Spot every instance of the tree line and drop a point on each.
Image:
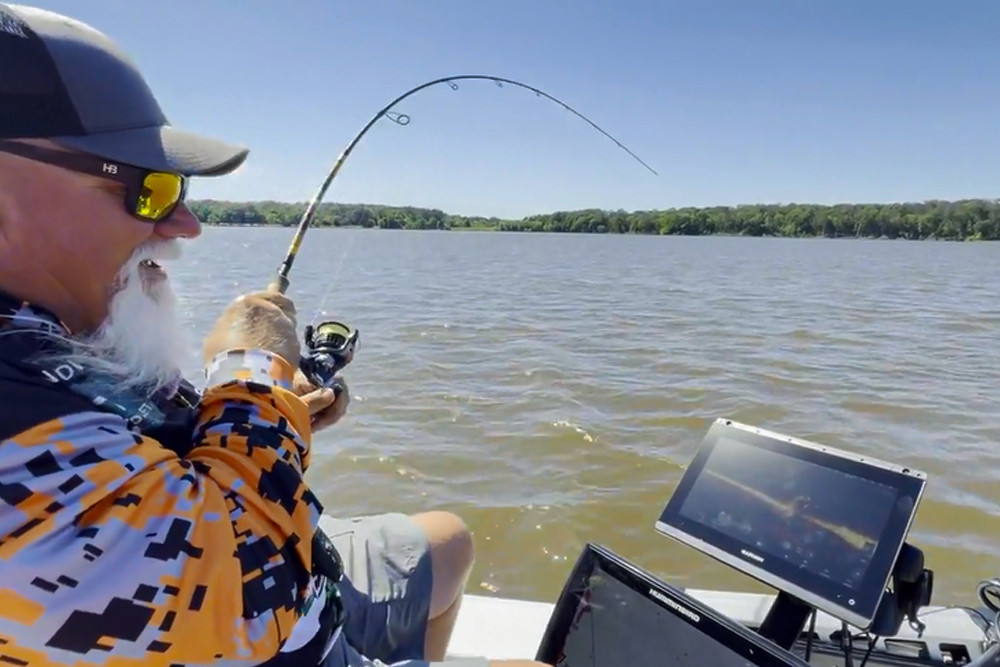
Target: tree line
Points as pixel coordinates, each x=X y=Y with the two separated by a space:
x=965 y=220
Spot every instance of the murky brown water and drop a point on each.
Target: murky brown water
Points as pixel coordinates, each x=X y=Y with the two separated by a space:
x=550 y=388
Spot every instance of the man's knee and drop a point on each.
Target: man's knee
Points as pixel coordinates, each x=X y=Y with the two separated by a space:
x=449 y=538
x=452 y=554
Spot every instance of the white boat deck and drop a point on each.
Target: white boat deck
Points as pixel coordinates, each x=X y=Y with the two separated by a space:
x=501 y=628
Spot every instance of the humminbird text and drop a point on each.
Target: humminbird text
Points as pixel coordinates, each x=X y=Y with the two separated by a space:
x=673 y=605
x=751 y=555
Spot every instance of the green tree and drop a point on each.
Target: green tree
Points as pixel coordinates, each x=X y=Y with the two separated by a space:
x=975 y=219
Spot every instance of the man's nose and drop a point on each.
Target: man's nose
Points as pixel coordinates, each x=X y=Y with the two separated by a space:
x=182 y=223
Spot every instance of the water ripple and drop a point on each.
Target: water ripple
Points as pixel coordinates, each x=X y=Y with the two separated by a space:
x=552 y=388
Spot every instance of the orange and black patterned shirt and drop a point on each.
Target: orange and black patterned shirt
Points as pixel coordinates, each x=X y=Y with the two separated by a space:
x=117 y=551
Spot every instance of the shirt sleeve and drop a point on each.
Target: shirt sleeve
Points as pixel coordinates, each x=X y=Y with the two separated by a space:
x=115 y=551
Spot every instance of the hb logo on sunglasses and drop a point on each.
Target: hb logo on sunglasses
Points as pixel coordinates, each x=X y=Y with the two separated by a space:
x=110 y=168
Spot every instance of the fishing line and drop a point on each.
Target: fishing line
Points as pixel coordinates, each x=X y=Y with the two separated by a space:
x=281 y=282
x=330 y=345
x=336 y=275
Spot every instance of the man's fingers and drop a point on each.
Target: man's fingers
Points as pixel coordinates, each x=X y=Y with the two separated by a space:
x=326 y=419
x=319 y=400
x=335 y=412
x=330 y=416
x=300 y=385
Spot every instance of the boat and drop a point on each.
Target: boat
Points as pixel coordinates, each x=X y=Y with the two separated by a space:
x=506 y=628
x=809 y=566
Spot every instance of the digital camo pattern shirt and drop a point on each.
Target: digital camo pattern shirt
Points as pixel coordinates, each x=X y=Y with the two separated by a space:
x=114 y=551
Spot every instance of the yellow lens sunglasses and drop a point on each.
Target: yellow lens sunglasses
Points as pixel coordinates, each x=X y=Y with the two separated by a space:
x=150 y=195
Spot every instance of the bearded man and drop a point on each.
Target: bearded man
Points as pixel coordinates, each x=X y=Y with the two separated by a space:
x=140 y=522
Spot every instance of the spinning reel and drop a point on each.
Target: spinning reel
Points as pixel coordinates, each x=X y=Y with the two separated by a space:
x=329 y=347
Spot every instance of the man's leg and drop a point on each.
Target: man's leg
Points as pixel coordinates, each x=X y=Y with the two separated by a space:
x=404 y=578
x=404 y=581
x=452 y=556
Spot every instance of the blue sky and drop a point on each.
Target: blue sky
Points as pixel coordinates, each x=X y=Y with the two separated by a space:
x=739 y=101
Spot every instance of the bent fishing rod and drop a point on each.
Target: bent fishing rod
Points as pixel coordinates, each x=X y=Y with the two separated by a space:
x=330 y=345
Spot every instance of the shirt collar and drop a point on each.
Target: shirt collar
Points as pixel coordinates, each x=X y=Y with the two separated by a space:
x=23 y=314
x=16 y=312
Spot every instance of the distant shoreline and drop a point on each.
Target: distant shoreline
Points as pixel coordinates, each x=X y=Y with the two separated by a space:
x=964 y=220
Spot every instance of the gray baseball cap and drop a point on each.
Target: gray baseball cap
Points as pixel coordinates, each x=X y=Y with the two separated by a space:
x=62 y=80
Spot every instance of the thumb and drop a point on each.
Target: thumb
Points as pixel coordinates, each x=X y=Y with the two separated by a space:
x=319 y=399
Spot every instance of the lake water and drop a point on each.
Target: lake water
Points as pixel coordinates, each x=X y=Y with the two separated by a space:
x=550 y=389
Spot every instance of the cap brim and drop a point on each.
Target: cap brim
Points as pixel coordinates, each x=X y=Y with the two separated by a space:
x=162 y=148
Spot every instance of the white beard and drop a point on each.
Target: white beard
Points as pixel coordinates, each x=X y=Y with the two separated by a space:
x=142 y=343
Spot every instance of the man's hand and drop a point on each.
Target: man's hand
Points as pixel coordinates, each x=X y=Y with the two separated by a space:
x=325 y=408
x=264 y=320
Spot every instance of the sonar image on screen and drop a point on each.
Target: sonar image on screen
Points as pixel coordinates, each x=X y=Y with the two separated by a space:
x=812 y=517
x=615 y=626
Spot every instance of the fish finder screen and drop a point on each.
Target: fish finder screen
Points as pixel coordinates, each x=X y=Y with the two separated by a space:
x=819 y=524
x=812 y=517
x=615 y=625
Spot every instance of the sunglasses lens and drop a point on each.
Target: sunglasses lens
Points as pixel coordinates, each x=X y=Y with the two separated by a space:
x=160 y=193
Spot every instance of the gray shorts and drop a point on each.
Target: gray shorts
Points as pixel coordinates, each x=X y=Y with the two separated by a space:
x=387 y=593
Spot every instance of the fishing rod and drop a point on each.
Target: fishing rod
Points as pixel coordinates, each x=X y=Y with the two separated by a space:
x=331 y=345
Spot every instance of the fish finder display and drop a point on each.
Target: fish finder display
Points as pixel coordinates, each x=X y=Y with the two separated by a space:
x=614 y=616
x=815 y=523
x=809 y=516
